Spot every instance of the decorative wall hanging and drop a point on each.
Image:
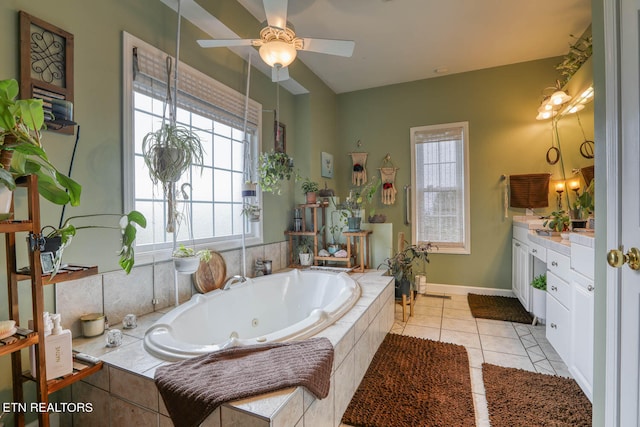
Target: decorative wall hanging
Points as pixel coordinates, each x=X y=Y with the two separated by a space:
x=46 y=70
x=326 y=167
x=359 y=174
x=388 y=177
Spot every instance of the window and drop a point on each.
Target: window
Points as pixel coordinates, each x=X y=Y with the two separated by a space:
x=209 y=195
x=440 y=177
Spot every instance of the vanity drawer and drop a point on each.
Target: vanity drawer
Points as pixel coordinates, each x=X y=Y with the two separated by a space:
x=559 y=289
x=559 y=264
x=538 y=251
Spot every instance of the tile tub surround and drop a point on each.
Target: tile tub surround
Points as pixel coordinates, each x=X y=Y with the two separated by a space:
x=126 y=384
x=117 y=294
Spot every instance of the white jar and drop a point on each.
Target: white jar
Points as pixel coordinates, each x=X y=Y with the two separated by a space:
x=92 y=324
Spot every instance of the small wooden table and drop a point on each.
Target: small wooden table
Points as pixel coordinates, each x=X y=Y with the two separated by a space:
x=364 y=251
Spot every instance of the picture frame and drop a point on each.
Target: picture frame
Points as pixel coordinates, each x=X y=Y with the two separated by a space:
x=326 y=165
x=47 y=262
x=46 y=70
x=279 y=137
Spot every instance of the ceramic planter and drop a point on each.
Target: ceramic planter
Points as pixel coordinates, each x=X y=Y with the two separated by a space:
x=403 y=287
x=305 y=259
x=312 y=197
x=333 y=248
x=353 y=223
x=186 y=265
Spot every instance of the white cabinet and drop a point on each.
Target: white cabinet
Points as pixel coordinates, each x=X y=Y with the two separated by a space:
x=520 y=272
x=582 y=334
x=582 y=317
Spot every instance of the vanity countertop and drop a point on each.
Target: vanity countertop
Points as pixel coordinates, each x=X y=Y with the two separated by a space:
x=556 y=243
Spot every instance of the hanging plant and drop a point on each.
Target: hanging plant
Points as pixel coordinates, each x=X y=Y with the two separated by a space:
x=578 y=54
x=274 y=167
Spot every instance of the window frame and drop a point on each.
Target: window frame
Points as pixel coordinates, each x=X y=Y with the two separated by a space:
x=158 y=250
x=443 y=247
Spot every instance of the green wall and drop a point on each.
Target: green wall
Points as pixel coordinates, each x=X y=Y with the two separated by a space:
x=500 y=105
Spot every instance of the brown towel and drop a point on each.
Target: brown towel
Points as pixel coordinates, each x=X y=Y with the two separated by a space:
x=192 y=389
x=530 y=190
x=587 y=173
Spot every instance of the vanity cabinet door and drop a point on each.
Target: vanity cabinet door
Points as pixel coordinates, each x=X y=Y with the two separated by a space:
x=520 y=272
x=582 y=336
x=558 y=328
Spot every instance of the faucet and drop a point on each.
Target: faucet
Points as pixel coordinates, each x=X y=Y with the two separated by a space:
x=235 y=279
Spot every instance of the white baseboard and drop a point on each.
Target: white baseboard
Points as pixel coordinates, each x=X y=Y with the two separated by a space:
x=439 y=288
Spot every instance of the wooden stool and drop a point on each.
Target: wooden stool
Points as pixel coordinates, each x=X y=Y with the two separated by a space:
x=364 y=250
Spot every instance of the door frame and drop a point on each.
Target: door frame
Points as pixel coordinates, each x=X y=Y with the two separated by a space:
x=609 y=183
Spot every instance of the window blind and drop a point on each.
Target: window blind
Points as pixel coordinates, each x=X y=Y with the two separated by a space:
x=197 y=92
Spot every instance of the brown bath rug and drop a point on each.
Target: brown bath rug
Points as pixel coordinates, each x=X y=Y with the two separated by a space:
x=528 y=399
x=414 y=382
x=498 y=308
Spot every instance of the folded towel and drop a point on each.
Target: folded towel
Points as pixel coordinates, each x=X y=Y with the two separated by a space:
x=530 y=190
x=192 y=389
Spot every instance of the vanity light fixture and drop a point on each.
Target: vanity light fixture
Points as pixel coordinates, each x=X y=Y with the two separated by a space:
x=560 y=190
x=553 y=101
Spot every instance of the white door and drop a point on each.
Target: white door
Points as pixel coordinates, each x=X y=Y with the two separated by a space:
x=622 y=162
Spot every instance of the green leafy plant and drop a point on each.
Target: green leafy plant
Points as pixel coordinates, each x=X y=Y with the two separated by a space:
x=584 y=203
x=578 y=54
x=184 y=252
x=412 y=258
x=251 y=211
x=558 y=221
x=127 y=226
x=309 y=186
x=274 y=167
x=304 y=246
x=540 y=282
x=361 y=198
x=168 y=152
x=20 y=124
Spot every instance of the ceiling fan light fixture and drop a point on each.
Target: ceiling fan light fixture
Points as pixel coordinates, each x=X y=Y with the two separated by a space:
x=278 y=52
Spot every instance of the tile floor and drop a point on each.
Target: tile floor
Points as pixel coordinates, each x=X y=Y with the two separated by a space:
x=506 y=344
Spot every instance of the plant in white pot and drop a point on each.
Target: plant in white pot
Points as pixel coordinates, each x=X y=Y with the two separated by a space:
x=539 y=285
x=304 y=252
x=251 y=211
x=187 y=260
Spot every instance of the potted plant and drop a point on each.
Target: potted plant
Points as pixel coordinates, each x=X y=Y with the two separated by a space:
x=539 y=285
x=251 y=211
x=58 y=239
x=335 y=229
x=558 y=221
x=358 y=200
x=21 y=151
x=187 y=260
x=168 y=152
x=310 y=190
x=403 y=264
x=304 y=252
x=274 y=167
x=583 y=207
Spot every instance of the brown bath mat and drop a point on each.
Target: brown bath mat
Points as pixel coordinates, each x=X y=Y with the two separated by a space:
x=498 y=308
x=414 y=382
x=529 y=399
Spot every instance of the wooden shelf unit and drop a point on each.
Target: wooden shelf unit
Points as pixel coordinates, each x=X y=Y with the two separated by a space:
x=314 y=209
x=36 y=337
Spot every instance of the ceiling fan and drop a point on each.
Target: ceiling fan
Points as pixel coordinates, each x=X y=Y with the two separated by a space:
x=279 y=44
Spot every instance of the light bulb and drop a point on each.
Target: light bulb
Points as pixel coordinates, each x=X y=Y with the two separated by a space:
x=277 y=52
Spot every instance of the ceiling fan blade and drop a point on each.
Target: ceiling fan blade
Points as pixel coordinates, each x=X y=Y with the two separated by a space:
x=279 y=74
x=331 y=47
x=276 y=11
x=225 y=42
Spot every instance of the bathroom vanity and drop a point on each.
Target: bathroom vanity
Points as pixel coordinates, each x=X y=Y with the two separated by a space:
x=568 y=264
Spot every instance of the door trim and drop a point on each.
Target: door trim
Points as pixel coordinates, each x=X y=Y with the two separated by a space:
x=611 y=204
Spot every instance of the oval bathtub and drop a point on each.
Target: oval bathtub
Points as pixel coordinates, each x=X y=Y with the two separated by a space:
x=278 y=307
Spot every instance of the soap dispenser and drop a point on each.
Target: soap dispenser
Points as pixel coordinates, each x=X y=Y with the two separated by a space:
x=58 y=349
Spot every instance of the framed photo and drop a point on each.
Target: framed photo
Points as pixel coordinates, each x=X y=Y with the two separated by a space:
x=46 y=260
x=280 y=137
x=326 y=168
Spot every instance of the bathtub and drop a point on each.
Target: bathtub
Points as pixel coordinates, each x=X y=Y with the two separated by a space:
x=278 y=307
